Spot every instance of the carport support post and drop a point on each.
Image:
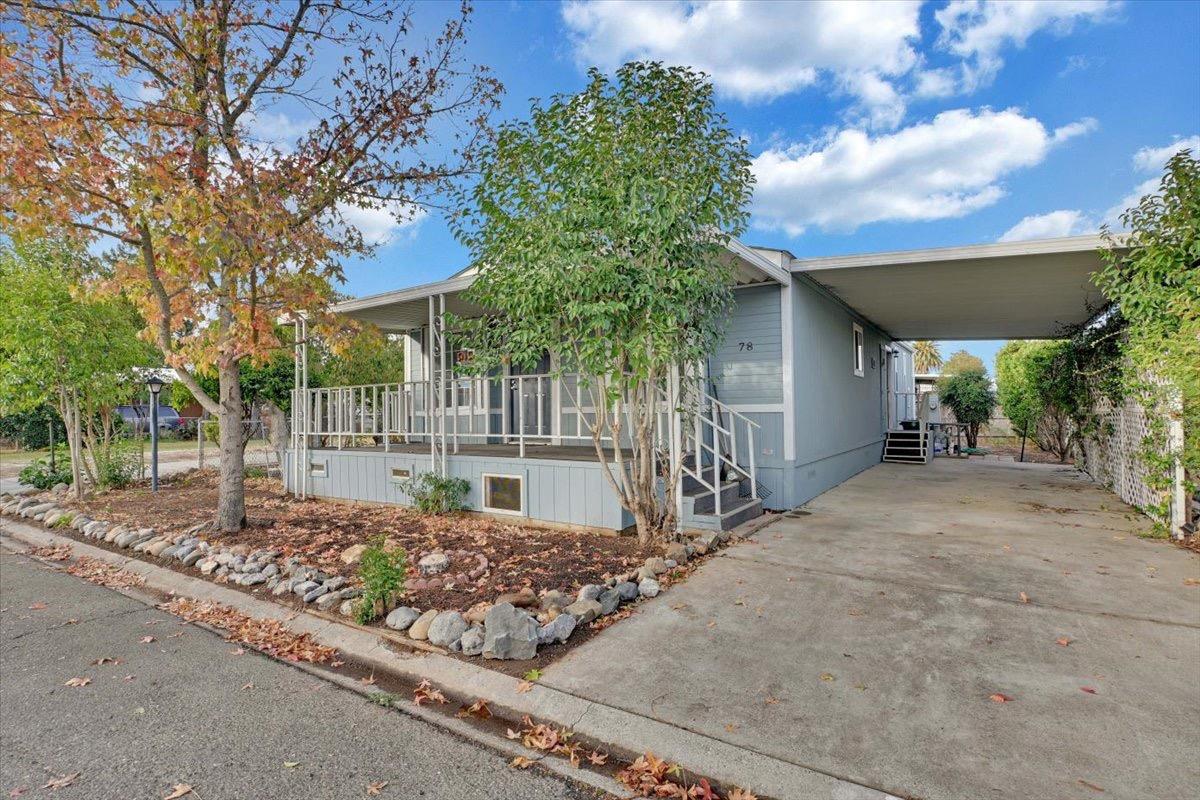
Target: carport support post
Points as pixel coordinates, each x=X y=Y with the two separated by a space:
x=1175 y=441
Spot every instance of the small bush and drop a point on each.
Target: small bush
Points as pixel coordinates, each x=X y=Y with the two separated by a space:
x=64 y=521
x=434 y=494
x=256 y=472
x=212 y=430
x=118 y=466
x=382 y=570
x=38 y=473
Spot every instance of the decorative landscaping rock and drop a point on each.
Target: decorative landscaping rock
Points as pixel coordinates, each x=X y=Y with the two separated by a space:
x=311 y=594
x=677 y=552
x=446 y=628
x=609 y=601
x=649 y=588
x=558 y=629
x=352 y=554
x=645 y=572
x=419 y=630
x=554 y=599
x=255 y=578
x=628 y=590
x=471 y=641
x=656 y=564
x=476 y=613
x=304 y=587
x=402 y=618
x=707 y=540
x=335 y=583
x=590 y=592
x=346 y=609
x=583 y=610
x=509 y=633
x=433 y=564
x=328 y=601
x=59 y=488
x=198 y=554
x=522 y=599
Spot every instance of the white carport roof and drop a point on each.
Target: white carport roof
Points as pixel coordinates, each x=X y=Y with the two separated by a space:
x=406 y=309
x=1011 y=290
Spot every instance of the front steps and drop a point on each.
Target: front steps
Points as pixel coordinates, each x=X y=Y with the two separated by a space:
x=699 y=506
x=906 y=447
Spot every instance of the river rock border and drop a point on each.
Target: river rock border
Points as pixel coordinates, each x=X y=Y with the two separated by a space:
x=512 y=627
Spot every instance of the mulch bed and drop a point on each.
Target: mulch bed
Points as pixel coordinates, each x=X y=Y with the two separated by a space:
x=318 y=531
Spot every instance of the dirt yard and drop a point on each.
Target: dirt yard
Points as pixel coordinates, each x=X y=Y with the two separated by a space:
x=319 y=531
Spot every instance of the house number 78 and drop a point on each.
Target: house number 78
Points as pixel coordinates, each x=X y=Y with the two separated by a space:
x=745 y=345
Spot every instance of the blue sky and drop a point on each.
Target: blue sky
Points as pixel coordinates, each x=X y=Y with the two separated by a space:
x=876 y=127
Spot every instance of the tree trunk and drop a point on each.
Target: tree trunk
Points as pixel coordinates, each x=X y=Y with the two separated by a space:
x=231 y=493
x=70 y=417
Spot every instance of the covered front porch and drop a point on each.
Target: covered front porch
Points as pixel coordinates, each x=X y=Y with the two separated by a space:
x=524 y=439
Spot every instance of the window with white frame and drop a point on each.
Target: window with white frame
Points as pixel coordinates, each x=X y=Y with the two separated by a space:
x=858 y=350
x=504 y=494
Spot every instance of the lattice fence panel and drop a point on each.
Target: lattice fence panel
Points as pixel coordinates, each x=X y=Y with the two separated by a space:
x=1111 y=454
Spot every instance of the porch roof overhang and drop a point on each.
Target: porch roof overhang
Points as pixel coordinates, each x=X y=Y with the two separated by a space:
x=1010 y=290
x=406 y=309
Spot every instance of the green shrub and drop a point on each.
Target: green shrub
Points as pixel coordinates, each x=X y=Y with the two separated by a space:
x=212 y=430
x=38 y=473
x=256 y=472
x=117 y=466
x=434 y=494
x=382 y=571
x=64 y=521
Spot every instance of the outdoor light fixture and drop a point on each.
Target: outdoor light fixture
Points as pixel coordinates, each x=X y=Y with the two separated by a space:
x=154 y=384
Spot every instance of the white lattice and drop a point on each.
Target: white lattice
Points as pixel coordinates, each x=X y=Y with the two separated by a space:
x=1111 y=454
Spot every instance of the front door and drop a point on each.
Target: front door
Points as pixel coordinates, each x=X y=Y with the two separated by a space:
x=529 y=401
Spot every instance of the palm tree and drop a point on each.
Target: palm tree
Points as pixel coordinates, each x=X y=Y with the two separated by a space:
x=927 y=355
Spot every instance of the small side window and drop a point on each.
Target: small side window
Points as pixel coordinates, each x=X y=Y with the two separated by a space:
x=317 y=469
x=858 y=350
x=400 y=474
x=504 y=494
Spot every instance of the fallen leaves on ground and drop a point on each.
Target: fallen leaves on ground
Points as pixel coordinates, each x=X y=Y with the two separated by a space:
x=532 y=675
x=1089 y=785
x=597 y=758
x=1063 y=641
x=997 y=697
x=1024 y=597
x=39 y=606
x=102 y=660
x=104 y=574
x=771 y=701
x=650 y=775
x=265 y=635
x=178 y=790
x=369 y=680
x=1088 y=689
x=426 y=692
x=147 y=640
x=521 y=762
x=1191 y=581
x=524 y=686
x=62 y=781
x=477 y=709
x=78 y=682
x=246 y=686
x=59 y=552
x=291 y=764
x=375 y=788
x=827 y=677
x=18 y=791
x=741 y=794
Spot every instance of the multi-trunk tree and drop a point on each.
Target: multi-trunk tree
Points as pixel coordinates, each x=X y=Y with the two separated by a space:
x=598 y=228
x=227 y=148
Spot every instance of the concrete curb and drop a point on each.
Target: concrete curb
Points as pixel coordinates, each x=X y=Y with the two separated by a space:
x=621 y=732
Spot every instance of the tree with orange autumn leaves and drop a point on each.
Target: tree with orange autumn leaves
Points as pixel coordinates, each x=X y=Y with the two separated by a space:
x=159 y=129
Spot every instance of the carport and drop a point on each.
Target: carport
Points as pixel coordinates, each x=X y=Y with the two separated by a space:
x=957 y=629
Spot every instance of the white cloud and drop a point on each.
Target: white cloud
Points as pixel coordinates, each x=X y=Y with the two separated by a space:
x=759 y=51
x=274 y=127
x=1047 y=226
x=979 y=31
x=381 y=226
x=947 y=167
x=1153 y=159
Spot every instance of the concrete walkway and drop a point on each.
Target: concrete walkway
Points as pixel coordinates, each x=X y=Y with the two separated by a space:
x=864 y=641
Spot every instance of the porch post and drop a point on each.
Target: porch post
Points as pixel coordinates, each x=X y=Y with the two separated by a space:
x=674 y=431
x=432 y=399
x=442 y=374
x=295 y=439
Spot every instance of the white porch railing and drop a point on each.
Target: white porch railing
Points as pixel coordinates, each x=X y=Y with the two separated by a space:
x=714 y=443
x=902 y=406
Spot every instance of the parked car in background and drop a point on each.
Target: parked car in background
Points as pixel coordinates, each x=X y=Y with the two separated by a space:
x=137 y=418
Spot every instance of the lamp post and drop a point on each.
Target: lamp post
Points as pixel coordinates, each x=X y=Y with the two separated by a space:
x=154 y=384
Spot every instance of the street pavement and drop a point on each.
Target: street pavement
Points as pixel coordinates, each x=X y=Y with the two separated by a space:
x=186 y=709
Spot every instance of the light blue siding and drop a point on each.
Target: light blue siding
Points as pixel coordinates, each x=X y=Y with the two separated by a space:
x=565 y=492
x=748 y=364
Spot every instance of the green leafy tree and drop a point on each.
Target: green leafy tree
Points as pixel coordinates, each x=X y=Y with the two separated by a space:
x=927 y=356
x=1043 y=392
x=367 y=356
x=62 y=345
x=1152 y=275
x=962 y=361
x=969 y=395
x=598 y=227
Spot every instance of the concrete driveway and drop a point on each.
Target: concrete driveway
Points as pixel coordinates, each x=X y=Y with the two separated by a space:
x=864 y=639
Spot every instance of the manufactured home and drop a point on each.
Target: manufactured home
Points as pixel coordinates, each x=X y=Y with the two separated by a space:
x=812 y=378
